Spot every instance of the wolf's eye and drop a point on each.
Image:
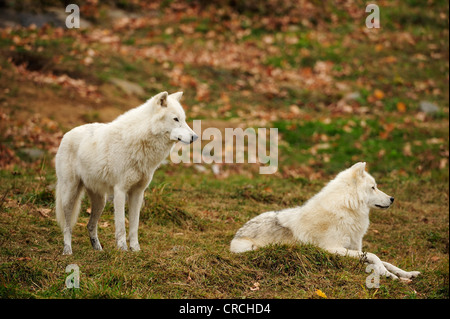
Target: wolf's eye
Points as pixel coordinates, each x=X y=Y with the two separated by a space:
x=176 y=119
x=373 y=187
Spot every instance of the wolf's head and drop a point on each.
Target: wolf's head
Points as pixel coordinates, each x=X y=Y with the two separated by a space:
x=366 y=188
x=169 y=117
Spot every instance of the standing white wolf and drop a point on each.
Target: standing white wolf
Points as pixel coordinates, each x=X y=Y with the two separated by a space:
x=335 y=219
x=118 y=157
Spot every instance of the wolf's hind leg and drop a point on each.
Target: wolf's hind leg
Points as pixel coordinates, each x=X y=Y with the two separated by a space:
x=97 y=205
x=71 y=201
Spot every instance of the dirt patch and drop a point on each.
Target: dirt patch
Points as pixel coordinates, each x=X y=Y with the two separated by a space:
x=67 y=106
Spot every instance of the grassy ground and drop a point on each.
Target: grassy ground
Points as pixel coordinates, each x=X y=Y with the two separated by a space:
x=337 y=92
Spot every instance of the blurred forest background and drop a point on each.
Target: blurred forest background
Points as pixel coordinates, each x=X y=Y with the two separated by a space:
x=337 y=91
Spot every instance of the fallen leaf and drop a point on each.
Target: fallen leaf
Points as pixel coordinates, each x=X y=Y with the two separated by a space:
x=435 y=258
x=401 y=107
x=44 y=212
x=255 y=286
x=405 y=280
x=388 y=128
x=443 y=163
x=378 y=94
x=435 y=140
x=407 y=150
x=104 y=225
x=381 y=153
x=389 y=59
x=320 y=293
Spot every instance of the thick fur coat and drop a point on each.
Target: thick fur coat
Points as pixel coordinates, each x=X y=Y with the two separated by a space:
x=336 y=219
x=116 y=158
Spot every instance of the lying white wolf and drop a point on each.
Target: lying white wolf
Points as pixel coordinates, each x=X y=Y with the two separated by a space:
x=118 y=157
x=335 y=219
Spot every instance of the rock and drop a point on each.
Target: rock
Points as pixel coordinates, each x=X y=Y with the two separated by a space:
x=178 y=248
x=116 y=14
x=200 y=168
x=33 y=153
x=128 y=87
x=61 y=15
x=13 y=18
x=216 y=169
x=352 y=96
x=428 y=107
x=55 y=16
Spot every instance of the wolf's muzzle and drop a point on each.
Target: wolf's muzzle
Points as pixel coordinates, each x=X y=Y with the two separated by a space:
x=194 y=138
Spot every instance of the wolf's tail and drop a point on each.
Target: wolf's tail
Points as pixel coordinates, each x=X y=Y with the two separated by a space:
x=240 y=245
x=63 y=195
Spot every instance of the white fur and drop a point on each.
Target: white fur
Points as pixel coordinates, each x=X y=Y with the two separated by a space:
x=118 y=157
x=335 y=219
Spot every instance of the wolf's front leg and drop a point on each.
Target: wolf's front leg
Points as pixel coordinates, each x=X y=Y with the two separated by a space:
x=378 y=266
x=119 y=218
x=135 y=199
x=401 y=273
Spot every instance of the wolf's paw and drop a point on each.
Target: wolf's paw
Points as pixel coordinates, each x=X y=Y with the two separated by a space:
x=135 y=247
x=382 y=271
x=406 y=275
x=122 y=246
x=99 y=247
x=67 y=250
x=388 y=274
x=96 y=244
x=411 y=274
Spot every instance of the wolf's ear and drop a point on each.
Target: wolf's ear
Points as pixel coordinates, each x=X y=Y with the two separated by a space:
x=177 y=96
x=359 y=168
x=161 y=99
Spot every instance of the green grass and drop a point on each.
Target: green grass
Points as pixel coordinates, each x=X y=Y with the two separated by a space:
x=188 y=257
x=189 y=218
x=380 y=142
